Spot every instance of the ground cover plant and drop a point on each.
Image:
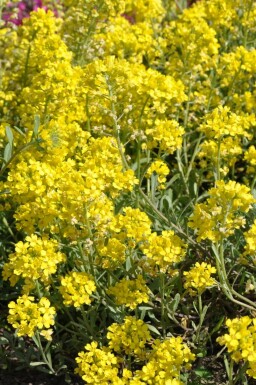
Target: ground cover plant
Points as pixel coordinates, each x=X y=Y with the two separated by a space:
x=128 y=217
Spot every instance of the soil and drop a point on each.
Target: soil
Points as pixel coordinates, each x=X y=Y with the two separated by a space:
x=28 y=377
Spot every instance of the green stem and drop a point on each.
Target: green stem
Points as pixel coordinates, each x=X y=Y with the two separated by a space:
x=180 y=167
x=218 y=161
x=166 y=220
x=116 y=128
x=230 y=372
x=162 y=287
x=40 y=347
x=224 y=281
x=88 y=123
x=191 y=163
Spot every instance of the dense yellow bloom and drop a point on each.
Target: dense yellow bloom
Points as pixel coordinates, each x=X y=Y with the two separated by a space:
x=198 y=278
x=164 y=250
x=191 y=45
x=161 y=169
x=130 y=337
x=225 y=132
x=222 y=122
x=218 y=217
x=133 y=225
x=124 y=96
x=76 y=288
x=240 y=62
x=34 y=260
x=226 y=152
x=98 y=366
x=126 y=41
x=28 y=316
x=165 y=134
x=101 y=161
x=130 y=292
x=144 y=9
x=166 y=361
x=241 y=341
x=48 y=186
x=111 y=254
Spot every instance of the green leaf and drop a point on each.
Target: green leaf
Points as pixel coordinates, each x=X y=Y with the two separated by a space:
x=154 y=329
x=7 y=153
x=37 y=363
x=203 y=373
x=3 y=341
x=9 y=135
x=36 y=125
x=19 y=130
x=175 y=303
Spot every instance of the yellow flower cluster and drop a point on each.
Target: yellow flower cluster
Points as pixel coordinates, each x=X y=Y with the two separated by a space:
x=28 y=316
x=130 y=337
x=112 y=254
x=91 y=16
x=198 y=278
x=164 y=134
x=133 y=225
x=220 y=215
x=34 y=260
x=130 y=293
x=98 y=366
x=222 y=122
x=164 y=251
x=225 y=132
x=76 y=288
x=166 y=361
x=44 y=186
x=191 y=45
x=124 y=40
x=241 y=341
x=236 y=70
x=143 y=10
x=161 y=169
x=115 y=86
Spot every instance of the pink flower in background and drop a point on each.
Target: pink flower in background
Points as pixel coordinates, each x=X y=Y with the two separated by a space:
x=15 y=13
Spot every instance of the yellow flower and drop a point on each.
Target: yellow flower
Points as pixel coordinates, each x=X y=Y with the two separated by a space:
x=164 y=251
x=76 y=289
x=129 y=337
x=34 y=260
x=98 y=366
x=130 y=293
x=221 y=214
x=198 y=278
x=161 y=169
x=28 y=316
x=241 y=341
